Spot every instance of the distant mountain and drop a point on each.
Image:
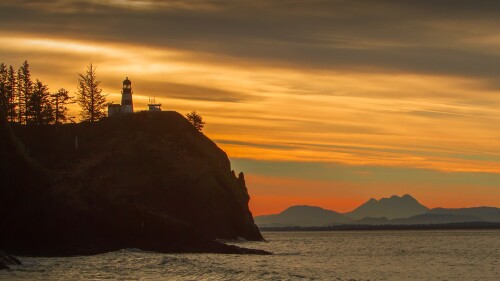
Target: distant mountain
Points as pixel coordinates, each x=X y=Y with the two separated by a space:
x=490 y=214
x=395 y=210
x=440 y=216
x=435 y=219
x=301 y=216
x=391 y=208
x=371 y=221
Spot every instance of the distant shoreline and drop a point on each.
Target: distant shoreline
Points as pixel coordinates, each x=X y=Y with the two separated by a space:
x=346 y=227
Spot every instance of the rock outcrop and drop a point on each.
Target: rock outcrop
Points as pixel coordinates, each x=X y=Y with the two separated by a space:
x=6 y=260
x=148 y=180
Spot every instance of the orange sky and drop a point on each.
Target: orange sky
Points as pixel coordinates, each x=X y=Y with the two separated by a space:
x=393 y=86
x=270 y=195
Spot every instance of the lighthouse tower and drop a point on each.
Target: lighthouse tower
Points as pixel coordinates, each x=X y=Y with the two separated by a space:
x=127 y=105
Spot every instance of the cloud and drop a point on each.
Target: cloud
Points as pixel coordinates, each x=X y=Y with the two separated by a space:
x=364 y=175
x=390 y=36
x=194 y=92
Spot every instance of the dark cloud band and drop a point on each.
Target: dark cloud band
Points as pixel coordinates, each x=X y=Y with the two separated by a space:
x=393 y=36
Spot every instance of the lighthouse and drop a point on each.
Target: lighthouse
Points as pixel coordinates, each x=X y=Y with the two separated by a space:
x=127 y=105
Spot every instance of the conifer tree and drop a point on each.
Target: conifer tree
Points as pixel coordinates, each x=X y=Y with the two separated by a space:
x=25 y=88
x=60 y=100
x=11 y=94
x=90 y=97
x=39 y=109
x=3 y=92
x=195 y=119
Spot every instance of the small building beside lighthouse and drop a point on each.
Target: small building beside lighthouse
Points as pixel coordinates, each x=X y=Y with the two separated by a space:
x=127 y=105
x=153 y=106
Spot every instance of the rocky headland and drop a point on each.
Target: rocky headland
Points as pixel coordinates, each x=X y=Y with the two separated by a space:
x=147 y=180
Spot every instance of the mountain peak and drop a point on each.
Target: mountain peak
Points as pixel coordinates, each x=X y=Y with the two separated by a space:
x=301 y=215
x=408 y=197
x=391 y=208
x=303 y=207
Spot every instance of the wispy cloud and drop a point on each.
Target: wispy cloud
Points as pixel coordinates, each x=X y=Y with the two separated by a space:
x=361 y=35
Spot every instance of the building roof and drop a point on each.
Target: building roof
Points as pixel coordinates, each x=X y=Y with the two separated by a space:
x=127 y=82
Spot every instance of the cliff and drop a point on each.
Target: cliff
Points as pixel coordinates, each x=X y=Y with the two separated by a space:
x=148 y=180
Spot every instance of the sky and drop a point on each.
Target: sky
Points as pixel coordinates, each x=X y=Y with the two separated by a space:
x=318 y=102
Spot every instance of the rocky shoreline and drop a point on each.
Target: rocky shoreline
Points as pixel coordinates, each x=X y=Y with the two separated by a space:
x=6 y=260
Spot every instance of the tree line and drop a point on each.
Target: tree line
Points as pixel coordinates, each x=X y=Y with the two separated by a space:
x=29 y=102
x=25 y=101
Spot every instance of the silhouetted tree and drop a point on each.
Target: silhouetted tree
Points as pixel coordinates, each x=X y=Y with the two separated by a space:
x=195 y=119
x=3 y=91
x=39 y=108
x=24 y=89
x=11 y=95
x=90 y=97
x=60 y=100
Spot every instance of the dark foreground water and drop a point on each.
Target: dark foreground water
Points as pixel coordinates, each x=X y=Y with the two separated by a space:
x=362 y=255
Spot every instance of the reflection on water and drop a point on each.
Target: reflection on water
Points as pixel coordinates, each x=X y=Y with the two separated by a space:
x=363 y=255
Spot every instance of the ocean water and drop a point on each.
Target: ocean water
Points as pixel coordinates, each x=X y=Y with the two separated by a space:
x=357 y=255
